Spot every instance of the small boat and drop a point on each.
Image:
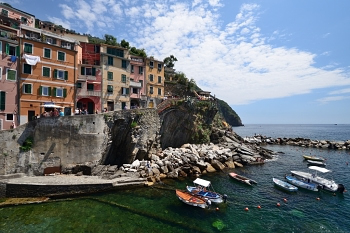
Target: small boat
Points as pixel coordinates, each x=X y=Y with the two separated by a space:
x=242 y=179
x=314 y=158
x=204 y=189
x=316 y=163
x=191 y=199
x=302 y=184
x=284 y=185
x=325 y=184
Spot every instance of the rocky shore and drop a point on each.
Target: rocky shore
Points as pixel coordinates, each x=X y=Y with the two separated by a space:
x=302 y=142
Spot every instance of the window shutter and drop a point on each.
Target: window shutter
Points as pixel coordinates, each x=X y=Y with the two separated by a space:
x=54 y=92
x=55 y=73
x=49 y=90
x=54 y=41
x=40 y=90
x=93 y=71
x=17 y=52
x=127 y=91
x=82 y=70
x=2 y=100
x=66 y=75
x=64 y=92
x=29 y=88
x=7 y=49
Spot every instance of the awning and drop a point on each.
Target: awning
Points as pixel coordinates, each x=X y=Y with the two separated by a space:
x=51 y=106
x=201 y=182
x=320 y=169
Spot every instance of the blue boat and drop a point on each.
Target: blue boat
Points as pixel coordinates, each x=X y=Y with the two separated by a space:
x=202 y=189
x=302 y=183
x=284 y=185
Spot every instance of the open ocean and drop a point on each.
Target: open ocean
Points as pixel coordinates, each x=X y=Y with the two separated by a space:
x=157 y=209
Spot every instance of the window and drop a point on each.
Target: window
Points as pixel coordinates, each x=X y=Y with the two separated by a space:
x=61 y=56
x=50 y=40
x=0 y=47
x=125 y=91
x=151 y=90
x=141 y=81
x=88 y=71
x=151 y=64
x=66 y=45
x=115 y=52
x=0 y=73
x=159 y=79
x=27 y=88
x=27 y=69
x=90 y=86
x=159 y=67
x=47 y=53
x=46 y=71
x=45 y=91
x=28 y=48
x=110 y=61
x=59 y=92
x=140 y=70
x=9 y=117
x=135 y=91
x=109 y=76
x=109 y=89
x=132 y=68
x=11 y=75
x=159 y=91
x=79 y=85
x=123 y=78
x=124 y=64
x=12 y=50
x=61 y=74
x=24 y=20
x=2 y=100
x=4 y=12
x=151 y=77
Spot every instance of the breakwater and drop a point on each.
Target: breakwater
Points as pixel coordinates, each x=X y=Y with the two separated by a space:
x=302 y=142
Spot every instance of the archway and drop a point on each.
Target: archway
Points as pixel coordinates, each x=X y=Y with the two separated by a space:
x=86 y=103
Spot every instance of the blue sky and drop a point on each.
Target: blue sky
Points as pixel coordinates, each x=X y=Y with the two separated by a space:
x=272 y=61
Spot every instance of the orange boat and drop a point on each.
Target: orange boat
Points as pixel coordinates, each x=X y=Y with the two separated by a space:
x=191 y=199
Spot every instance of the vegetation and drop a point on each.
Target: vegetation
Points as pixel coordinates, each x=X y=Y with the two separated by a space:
x=170 y=61
x=27 y=144
x=133 y=124
x=229 y=114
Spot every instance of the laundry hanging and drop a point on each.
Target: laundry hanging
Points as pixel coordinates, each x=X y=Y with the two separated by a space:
x=31 y=60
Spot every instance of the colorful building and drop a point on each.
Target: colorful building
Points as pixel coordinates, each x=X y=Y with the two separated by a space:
x=154 y=82
x=47 y=73
x=115 y=77
x=138 y=96
x=10 y=21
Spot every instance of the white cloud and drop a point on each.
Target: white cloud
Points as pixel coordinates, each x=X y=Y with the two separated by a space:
x=341 y=91
x=332 y=99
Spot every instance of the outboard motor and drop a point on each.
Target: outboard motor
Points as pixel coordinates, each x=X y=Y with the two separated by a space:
x=224 y=198
x=341 y=188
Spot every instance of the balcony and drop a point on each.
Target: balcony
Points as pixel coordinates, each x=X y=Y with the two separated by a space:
x=87 y=93
x=8 y=35
x=86 y=78
x=135 y=84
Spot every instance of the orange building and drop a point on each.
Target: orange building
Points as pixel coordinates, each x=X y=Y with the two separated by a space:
x=154 y=82
x=47 y=73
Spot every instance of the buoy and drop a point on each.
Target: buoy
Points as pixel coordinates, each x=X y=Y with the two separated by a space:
x=278 y=204
x=259 y=207
x=317 y=198
x=285 y=199
x=217 y=208
x=334 y=194
x=246 y=209
x=345 y=190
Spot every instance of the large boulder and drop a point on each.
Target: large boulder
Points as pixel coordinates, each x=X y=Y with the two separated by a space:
x=217 y=165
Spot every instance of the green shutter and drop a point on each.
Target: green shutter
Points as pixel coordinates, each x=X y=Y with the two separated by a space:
x=55 y=73
x=127 y=91
x=66 y=75
x=49 y=91
x=64 y=93
x=40 y=90
x=54 y=41
x=17 y=52
x=93 y=71
x=54 y=92
x=7 y=49
x=82 y=70
x=2 y=100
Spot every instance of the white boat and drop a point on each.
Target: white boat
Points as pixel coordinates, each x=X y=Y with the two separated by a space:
x=325 y=184
x=316 y=163
x=302 y=184
x=204 y=189
x=284 y=185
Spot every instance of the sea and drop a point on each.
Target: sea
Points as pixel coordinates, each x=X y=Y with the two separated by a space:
x=157 y=209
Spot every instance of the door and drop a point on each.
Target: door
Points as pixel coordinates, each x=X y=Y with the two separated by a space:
x=110 y=106
x=90 y=107
x=31 y=115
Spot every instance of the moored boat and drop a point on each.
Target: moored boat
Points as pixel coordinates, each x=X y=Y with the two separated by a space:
x=284 y=185
x=302 y=184
x=242 y=179
x=314 y=158
x=325 y=184
x=204 y=189
x=316 y=163
x=191 y=199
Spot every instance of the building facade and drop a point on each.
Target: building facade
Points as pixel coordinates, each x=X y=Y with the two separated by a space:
x=138 y=98
x=154 y=82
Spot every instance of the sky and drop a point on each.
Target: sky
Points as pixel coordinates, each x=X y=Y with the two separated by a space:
x=272 y=61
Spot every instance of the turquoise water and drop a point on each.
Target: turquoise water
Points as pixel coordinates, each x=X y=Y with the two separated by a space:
x=156 y=209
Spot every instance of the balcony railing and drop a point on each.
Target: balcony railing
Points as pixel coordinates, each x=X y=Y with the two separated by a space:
x=8 y=35
x=86 y=78
x=86 y=93
x=135 y=84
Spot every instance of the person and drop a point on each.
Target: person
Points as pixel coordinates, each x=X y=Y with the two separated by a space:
x=96 y=112
x=61 y=113
x=12 y=125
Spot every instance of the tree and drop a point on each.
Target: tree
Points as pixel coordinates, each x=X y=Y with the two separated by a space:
x=138 y=52
x=110 y=40
x=170 y=61
x=125 y=44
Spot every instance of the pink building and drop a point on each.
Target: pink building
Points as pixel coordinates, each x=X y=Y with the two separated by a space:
x=137 y=82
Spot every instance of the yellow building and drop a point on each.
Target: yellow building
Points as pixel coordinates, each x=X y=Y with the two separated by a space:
x=115 y=77
x=154 y=81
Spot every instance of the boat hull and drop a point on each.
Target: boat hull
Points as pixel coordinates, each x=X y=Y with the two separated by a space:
x=302 y=184
x=191 y=199
x=308 y=157
x=315 y=163
x=284 y=185
x=242 y=179
x=212 y=196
